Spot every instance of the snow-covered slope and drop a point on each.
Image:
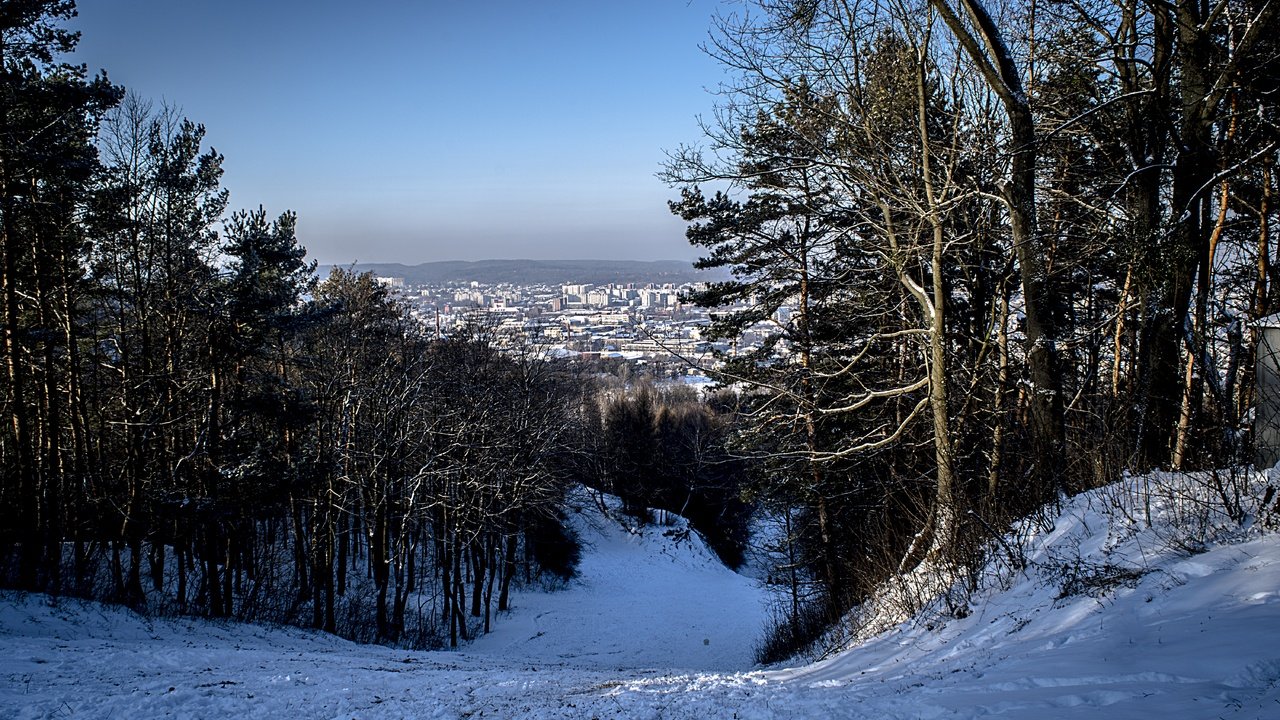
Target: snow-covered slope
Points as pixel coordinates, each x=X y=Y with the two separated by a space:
x=1112 y=618
x=645 y=597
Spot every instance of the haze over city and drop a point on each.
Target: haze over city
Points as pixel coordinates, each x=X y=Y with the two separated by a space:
x=413 y=132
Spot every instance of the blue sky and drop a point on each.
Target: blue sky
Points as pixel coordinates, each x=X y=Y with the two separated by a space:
x=418 y=131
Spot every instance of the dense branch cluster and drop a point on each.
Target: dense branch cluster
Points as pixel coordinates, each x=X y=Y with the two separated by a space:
x=1008 y=250
x=193 y=424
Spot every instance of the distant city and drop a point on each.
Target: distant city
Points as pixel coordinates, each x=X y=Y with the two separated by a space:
x=645 y=324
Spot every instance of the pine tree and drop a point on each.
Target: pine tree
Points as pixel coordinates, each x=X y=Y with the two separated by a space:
x=49 y=110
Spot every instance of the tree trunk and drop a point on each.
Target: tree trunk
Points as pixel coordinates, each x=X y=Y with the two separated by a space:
x=23 y=470
x=509 y=572
x=1041 y=300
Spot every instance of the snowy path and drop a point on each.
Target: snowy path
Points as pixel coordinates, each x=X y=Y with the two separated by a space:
x=1194 y=637
x=649 y=598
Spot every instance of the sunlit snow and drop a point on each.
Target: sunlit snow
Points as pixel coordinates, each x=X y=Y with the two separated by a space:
x=655 y=628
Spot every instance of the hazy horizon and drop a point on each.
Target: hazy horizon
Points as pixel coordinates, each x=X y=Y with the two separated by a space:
x=514 y=259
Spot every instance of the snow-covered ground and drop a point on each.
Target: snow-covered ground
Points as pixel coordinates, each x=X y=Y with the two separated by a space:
x=651 y=597
x=1111 y=618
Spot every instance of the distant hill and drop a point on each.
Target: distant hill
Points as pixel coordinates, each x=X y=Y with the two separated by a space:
x=541 y=272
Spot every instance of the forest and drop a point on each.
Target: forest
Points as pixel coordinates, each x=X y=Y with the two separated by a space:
x=1010 y=251
x=1021 y=249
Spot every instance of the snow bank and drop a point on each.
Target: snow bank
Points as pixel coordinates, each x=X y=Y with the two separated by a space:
x=1169 y=618
x=1111 y=617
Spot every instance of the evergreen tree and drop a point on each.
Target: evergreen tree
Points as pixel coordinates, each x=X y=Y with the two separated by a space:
x=49 y=111
x=152 y=218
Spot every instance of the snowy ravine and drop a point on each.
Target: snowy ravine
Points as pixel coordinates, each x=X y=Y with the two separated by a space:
x=1107 y=621
x=650 y=597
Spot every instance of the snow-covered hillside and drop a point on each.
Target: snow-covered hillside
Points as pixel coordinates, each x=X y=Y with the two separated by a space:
x=1111 y=618
x=650 y=597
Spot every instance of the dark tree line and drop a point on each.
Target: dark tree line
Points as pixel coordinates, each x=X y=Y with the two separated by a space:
x=665 y=449
x=194 y=423
x=1010 y=250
